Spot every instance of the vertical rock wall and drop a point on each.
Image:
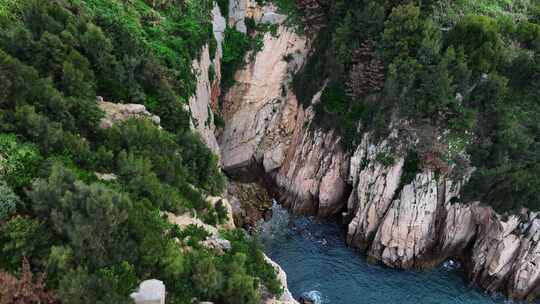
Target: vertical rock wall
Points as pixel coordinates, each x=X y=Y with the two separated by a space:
x=422 y=223
x=204 y=102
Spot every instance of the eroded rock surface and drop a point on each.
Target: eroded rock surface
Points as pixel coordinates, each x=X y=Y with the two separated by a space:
x=423 y=222
x=312 y=175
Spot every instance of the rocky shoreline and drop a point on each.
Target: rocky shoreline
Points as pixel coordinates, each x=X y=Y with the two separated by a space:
x=418 y=224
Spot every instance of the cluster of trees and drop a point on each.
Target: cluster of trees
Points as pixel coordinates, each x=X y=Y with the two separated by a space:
x=96 y=240
x=473 y=74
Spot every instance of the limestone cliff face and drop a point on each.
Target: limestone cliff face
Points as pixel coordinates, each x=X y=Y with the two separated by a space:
x=268 y=132
x=374 y=186
x=239 y=10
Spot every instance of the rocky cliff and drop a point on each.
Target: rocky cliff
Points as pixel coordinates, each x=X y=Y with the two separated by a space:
x=406 y=224
x=203 y=104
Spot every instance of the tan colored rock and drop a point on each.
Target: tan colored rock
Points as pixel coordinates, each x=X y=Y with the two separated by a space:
x=267 y=130
x=185 y=220
x=374 y=186
x=525 y=273
x=239 y=10
x=459 y=228
x=117 y=112
x=494 y=252
x=311 y=179
x=254 y=108
x=286 y=297
x=406 y=232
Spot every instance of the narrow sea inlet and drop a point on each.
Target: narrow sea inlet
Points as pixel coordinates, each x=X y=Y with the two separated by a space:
x=319 y=264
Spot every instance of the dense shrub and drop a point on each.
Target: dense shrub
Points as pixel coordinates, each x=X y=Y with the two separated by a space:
x=18 y=162
x=97 y=239
x=23 y=237
x=8 y=201
x=479 y=37
x=235 y=47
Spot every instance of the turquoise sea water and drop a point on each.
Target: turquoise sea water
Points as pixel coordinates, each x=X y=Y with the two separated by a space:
x=317 y=261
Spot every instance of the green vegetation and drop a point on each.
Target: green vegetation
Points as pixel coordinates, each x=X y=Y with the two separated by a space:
x=450 y=12
x=8 y=201
x=235 y=47
x=224 y=8
x=469 y=68
x=96 y=240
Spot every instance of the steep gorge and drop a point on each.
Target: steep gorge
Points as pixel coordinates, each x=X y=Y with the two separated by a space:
x=269 y=137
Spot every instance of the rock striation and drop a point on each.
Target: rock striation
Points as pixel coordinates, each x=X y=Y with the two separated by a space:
x=259 y=108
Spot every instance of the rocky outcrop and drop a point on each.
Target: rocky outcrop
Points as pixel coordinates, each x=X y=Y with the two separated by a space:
x=118 y=112
x=268 y=133
x=422 y=223
x=374 y=186
x=150 y=292
x=239 y=10
x=506 y=254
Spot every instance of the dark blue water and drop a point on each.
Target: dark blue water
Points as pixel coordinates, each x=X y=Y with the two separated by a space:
x=315 y=257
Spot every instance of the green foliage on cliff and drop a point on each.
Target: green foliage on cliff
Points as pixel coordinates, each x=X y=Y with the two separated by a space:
x=466 y=67
x=235 y=47
x=96 y=240
x=450 y=12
